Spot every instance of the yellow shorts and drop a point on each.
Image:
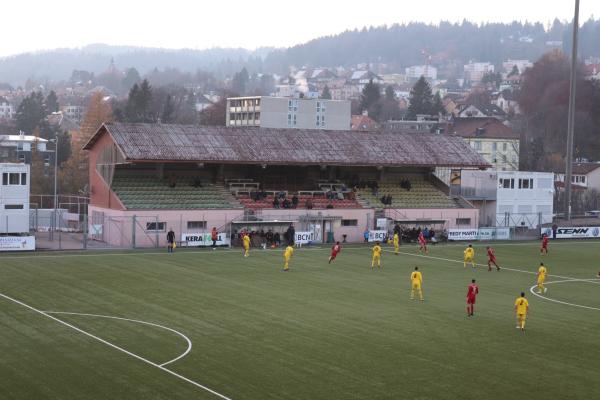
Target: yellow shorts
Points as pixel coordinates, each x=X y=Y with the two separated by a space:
x=416 y=285
x=468 y=259
x=375 y=258
x=541 y=279
x=521 y=316
x=246 y=247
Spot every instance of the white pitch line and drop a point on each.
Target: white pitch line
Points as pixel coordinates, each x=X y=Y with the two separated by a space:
x=481 y=265
x=531 y=289
x=114 y=346
x=131 y=252
x=185 y=353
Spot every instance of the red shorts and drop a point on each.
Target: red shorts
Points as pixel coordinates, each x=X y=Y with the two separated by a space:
x=545 y=246
x=471 y=299
x=492 y=259
x=334 y=255
x=423 y=244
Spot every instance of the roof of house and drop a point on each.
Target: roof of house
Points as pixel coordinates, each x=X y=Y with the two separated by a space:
x=585 y=168
x=363 y=74
x=487 y=127
x=487 y=109
x=254 y=145
x=363 y=123
x=22 y=138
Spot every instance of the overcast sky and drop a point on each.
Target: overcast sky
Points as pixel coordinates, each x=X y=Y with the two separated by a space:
x=30 y=25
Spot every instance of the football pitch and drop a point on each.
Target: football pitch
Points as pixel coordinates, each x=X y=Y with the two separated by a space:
x=202 y=324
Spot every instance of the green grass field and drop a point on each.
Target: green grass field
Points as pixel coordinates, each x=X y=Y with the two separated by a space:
x=320 y=331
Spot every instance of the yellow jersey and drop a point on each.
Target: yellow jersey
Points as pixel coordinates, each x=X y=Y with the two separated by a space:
x=246 y=241
x=376 y=251
x=289 y=251
x=469 y=252
x=521 y=305
x=396 y=238
x=542 y=272
x=416 y=277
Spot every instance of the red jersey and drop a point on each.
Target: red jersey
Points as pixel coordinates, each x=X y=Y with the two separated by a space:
x=472 y=292
x=421 y=238
x=491 y=254
x=336 y=249
x=545 y=241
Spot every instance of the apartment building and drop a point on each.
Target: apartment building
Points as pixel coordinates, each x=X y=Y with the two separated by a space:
x=279 y=112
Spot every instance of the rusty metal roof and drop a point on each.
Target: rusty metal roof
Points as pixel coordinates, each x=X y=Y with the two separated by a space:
x=252 y=145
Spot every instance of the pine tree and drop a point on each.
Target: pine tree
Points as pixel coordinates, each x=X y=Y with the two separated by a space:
x=369 y=99
x=389 y=93
x=132 y=77
x=326 y=94
x=31 y=112
x=51 y=103
x=138 y=103
x=514 y=71
x=168 y=110
x=239 y=82
x=438 y=106
x=421 y=99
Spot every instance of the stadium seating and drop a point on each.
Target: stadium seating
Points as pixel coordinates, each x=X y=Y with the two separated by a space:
x=241 y=189
x=423 y=194
x=146 y=191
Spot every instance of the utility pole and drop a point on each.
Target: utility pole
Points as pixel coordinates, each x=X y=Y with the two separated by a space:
x=571 y=121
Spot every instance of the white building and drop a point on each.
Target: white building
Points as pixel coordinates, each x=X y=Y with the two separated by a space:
x=522 y=65
x=510 y=198
x=417 y=71
x=74 y=112
x=278 y=112
x=474 y=71
x=19 y=147
x=14 y=198
x=7 y=111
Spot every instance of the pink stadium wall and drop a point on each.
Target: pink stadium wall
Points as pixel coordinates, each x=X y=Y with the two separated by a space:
x=450 y=215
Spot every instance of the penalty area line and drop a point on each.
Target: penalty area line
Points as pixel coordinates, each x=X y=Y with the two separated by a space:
x=531 y=289
x=114 y=346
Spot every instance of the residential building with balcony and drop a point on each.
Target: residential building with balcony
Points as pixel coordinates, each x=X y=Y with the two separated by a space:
x=279 y=112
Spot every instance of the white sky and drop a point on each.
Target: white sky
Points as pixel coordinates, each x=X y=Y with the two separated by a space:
x=44 y=24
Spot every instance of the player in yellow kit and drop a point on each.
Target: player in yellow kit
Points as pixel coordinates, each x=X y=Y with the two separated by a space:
x=541 y=278
x=521 y=308
x=396 y=243
x=287 y=255
x=246 y=243
x=469 y=256
x=376 y=258
x=416 y=280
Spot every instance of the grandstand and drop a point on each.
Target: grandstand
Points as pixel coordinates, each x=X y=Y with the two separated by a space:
x=192 y=178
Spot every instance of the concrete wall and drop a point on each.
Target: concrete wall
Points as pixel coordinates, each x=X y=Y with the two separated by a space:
x=14 y=220
x=450 y=215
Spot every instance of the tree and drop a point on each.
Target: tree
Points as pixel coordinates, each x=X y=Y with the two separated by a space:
x=51 y=103
x=514 y=71
x=326 y=94
x=492 y=78
x=215 y=114
x=132 y=76
x=240 y=81
x=168 y=111
x=389 y=93
x=438 y=106
x=138 y=103
x=74 y=173
x=40 y=183
x=369 y=99
x=31 y=112
x=420 y=99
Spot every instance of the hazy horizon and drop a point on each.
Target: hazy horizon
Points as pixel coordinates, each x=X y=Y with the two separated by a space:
x=235 y=25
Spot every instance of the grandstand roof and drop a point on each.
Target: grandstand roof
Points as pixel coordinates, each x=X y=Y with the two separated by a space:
x=253 y=145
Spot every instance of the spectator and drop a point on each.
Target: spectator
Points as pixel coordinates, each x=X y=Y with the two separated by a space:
x=294 y=201
x=285 y=203
x=309 y=204
x=275 y=202
x=171 y=240
x=277 y=239
x=366 y=235
x=269 y=237
x=432 y=236
x=340 y=195
x=329 y=206
x=397 y=229
x=172 y=181
x=290 y=235
x=426 y=233
x=197 y=182
x=214 y=236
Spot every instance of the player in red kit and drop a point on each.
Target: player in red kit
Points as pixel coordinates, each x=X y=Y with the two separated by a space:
x=335 y=251
x=472 y=293
x=422 y=243
x=492 y=259
x=544 y=249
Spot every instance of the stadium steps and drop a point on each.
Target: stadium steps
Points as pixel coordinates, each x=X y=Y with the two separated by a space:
x=423 y=194
x=148 y=192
